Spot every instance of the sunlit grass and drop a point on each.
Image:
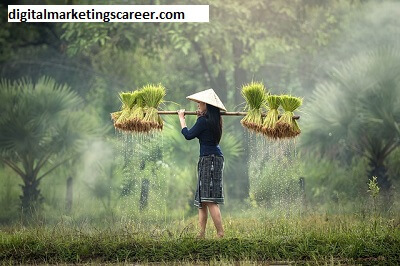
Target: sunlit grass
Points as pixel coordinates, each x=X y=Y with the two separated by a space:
x=290 y=239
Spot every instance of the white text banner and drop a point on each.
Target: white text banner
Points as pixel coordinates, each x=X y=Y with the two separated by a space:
x=108 y=13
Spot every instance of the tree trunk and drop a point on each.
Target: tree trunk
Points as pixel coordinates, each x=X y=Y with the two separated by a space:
x=68 y=201
x=240 y=79
x=222 y=86
x=128 y=152
x=302 y=188
x=144 y=194
x=240 y=75
x=219 y=84
x=30 y=198
x=144 y=190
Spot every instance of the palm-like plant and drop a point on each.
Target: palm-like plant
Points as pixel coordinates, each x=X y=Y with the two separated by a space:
x=185 y=153
x=358 y=111
x=41 y=127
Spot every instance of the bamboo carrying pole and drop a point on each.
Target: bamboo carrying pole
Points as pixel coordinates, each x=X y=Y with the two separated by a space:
x=295 y=117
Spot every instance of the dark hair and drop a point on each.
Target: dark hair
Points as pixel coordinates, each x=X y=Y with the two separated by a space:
x=214 y=122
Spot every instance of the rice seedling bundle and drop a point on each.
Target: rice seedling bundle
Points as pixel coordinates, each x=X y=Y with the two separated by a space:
x=269 y=128
x=120 y=118
x=139 y=109
x=152 y=96
x=286 y=126
x=255 y=96
x=115 y=116
x=136 y=114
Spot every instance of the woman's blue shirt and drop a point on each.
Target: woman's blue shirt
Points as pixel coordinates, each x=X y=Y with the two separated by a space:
x=207 y=141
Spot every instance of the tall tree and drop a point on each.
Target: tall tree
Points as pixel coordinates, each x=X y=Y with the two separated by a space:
x=358 y=111
x=42 y=126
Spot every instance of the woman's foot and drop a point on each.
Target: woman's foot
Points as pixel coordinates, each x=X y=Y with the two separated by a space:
x=220 y=235
x=201 y=235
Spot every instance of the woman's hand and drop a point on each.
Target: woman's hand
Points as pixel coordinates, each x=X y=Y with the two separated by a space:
x=181 y=113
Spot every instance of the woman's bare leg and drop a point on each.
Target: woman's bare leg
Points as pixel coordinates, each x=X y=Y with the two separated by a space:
x=216 y=216
x=203 y=213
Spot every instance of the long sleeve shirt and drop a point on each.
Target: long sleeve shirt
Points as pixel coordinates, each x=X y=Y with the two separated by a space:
x=207 y=141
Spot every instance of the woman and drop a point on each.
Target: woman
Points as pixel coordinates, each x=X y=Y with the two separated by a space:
x=208 y=129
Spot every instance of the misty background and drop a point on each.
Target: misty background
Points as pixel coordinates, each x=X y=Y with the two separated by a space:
x=61 y=158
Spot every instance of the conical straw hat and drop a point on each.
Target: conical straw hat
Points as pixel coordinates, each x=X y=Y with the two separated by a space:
x=208 y=96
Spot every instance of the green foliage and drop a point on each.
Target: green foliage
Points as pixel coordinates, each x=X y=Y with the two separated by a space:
x=103 y=178
x=238 y=38
x=361 y=30
x=373 y=187
x=394 y=167
x=275 y=184
x=231 y=145
x=331 y=183
x=311 y=239
x=85 y=36
x=89 y=38
x=285 y=42
x=9 y=191
x=348 y=118
x=36 y=115
x=43 y=125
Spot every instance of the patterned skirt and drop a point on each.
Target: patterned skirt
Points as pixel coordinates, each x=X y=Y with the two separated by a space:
x=209 y=184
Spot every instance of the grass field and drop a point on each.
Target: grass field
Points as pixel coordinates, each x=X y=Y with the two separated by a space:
x=316 y=239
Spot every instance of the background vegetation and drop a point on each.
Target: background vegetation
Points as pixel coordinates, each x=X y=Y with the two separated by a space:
x=61 y=159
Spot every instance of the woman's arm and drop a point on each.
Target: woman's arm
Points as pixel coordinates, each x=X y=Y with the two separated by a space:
x=195 y=130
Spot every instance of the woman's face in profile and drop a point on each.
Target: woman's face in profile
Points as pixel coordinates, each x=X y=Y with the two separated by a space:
x=202 y=107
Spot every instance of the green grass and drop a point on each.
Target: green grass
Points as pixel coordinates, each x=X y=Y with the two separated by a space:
x=314 y=239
